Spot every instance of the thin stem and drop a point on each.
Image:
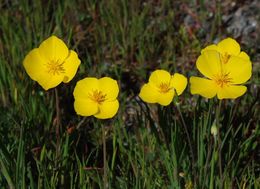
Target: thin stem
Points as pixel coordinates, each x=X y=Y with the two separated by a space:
x=4 y=171
x=188 y=137
x=81 y=122
x=219 y=142
x=104 y=156
x=58 y=122
x=159 y=128
x=213 y=159
x=218 y=113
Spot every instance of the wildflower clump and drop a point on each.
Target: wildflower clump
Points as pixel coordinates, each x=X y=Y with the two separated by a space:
x=225 y=68
x=162 y=87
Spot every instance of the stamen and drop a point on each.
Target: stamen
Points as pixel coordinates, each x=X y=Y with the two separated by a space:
x=164 y=87
x=222 y=79
x=55 y=68
x=97 y=96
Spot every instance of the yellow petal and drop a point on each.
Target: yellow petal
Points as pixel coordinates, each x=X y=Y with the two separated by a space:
x=204 y=87
x=165 y=99
x=159 y=76
x=54 y=48
x=71 y=65
x=36 y=68
x=50 y=81
x=34 y=64
x=107 y=109
x=208 y=63
x=85 y=87
x=179 y=82
x=243 y=55
x=149 y=93
x=238 y=69
x=231 y=92
x=109 y=87
x=230 y=46
x=210 y=48
x=85 y=107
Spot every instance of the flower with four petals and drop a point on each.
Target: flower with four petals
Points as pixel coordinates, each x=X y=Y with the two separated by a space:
x=162 y=87
x=51 y=63
x=97 y=97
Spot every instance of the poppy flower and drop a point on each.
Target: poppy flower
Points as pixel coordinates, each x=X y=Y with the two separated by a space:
x=225 y=69
x=97 y=97
x=162 y=87
x=51 y=63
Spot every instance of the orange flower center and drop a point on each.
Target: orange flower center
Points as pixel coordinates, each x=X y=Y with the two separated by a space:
x=54 y=67
x=164 y=87
x=97 y=96
x=222 y=79
x=225 y=57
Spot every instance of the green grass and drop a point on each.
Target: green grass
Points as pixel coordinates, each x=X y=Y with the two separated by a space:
x=147 y=146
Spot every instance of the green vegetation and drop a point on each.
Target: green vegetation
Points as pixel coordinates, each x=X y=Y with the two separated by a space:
x=146 y=145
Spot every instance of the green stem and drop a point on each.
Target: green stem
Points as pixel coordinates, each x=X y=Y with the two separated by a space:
x=219 y=143
x=58 y=123
x=218 y=113
x=188 y=138
x=81 y=122
x=213 y=159
x=104 y=156
x=159 y=128
x=6 y=174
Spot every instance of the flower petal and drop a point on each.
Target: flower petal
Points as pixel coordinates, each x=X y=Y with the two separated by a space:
x=229 y=46
x=36 y=68
x=85 y=86
x=179 y=82
x=210 y=48
x=34 y=64
x=159 y=76
x=85 y=107
x=209 y=64
x=204 y=87
x=107 y=109
x=109 y=87
x=243 y=55
x=54 y=48
x=166 y=98
x=71 y=65
x=231 y=92
x=50 y=81
x=239 y=69
x=149 y=93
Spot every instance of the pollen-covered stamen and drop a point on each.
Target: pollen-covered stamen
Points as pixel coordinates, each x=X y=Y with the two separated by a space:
x=97 y=96
x=54 y=67
x=222 y=79
x=225 y=57
x=164 y=87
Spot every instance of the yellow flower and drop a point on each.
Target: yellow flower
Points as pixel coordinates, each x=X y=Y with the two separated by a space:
x=97 y=97
x=162 y=86
x=225 y=68
x=51 y=63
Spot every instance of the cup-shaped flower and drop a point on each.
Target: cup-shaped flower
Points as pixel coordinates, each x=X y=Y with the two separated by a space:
x=97 y=97
x=162 y=87
x=225 y=69
x=51 y=63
